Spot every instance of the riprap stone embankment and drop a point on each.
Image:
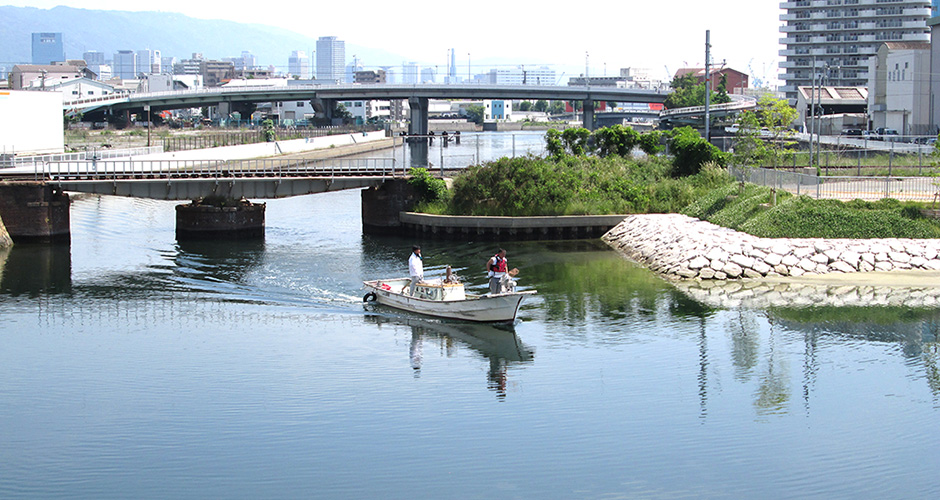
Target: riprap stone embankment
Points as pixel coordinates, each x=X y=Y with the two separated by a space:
x=682 y=247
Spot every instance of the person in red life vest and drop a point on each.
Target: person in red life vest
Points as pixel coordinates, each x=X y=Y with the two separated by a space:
x=496 y=267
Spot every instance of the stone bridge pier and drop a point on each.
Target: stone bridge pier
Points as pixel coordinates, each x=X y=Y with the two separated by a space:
x=34 y=212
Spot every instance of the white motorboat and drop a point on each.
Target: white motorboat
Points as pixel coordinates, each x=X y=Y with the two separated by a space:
x=446 y=299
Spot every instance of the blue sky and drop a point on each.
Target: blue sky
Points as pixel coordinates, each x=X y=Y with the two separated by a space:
x=599 y=35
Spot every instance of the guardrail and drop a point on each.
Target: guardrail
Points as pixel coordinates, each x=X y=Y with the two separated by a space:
x=738 y=104
x=130 y=169
x=923 y=189
x=100 y=154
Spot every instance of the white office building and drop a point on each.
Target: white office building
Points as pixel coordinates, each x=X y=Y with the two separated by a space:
x=149 y=62
x=839 y=37
x=521 y=75
x=331 y=60
x=125 y=64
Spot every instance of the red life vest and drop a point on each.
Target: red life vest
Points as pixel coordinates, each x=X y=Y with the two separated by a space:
x=499 y=264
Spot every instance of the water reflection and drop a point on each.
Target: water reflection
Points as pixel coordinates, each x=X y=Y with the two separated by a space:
x=33 y=270
x=767 y=295
x=498 y=344
x=219 y=260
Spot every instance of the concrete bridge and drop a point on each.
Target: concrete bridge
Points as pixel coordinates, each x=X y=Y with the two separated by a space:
x=322 y=97
x=34 y=206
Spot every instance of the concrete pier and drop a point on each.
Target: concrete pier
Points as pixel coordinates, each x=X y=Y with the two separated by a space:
x=381 y=206
x=234 y=220
x=33 y=212
x=5 y=240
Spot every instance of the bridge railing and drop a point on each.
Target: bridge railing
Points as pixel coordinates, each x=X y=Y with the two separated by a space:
x=130 y=169
x=737 y=104
x=101 y=154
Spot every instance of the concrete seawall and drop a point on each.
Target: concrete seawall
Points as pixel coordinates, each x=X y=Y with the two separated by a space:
x=681 y=247
x=508 y=228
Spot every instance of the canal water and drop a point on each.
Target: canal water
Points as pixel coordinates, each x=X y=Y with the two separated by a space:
x=134 y=366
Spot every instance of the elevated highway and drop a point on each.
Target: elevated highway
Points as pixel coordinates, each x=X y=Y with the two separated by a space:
x=323 y=95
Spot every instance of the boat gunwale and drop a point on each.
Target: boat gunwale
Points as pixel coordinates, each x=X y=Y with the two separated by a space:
x=469 y=296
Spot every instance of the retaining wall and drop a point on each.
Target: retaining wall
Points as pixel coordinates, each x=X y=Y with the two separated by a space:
x=682 y=247
x=508 y=228
x=268 y=149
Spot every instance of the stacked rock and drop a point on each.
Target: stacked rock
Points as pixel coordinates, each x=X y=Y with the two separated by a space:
x=682 y=247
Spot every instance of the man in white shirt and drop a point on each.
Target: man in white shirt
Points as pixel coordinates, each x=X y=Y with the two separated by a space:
x=415 y=267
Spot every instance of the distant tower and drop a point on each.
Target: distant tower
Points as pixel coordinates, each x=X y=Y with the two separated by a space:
x=451 y=66
x=352 y=68
x=411 y=72
x=331 y=59
x=299 y=64
x=48 y=48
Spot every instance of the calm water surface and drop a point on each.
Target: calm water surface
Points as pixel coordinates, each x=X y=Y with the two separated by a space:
x=132 y=366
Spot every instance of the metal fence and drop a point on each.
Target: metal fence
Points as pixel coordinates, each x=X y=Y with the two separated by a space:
x=180 y=169
x=869 y=188
x=11 y=161
x=222 y=137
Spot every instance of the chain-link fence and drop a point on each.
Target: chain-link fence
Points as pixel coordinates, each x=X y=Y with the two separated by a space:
x=842 y=187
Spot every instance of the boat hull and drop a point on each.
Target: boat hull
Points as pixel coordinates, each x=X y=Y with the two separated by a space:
x=482 y=308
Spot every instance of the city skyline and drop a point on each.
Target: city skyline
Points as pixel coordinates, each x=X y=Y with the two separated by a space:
x=744 y=33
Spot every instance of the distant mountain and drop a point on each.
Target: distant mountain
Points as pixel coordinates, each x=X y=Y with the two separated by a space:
x=173 y=34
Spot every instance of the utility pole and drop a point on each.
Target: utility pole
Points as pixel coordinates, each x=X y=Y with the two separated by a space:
x=812 y=105
x=708 y=84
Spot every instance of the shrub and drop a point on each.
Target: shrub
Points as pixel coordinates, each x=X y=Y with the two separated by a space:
x=651 y=142
x=428 y=188
x=690 y=152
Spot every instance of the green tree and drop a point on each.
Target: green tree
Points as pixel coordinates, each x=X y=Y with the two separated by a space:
x=651 y=142
x=525 y=106
x=556 y=108
x=576 y=140
x=690 y=152
x=428 y=188
x=765 y=133
x=687 y=92
x=267 y=130
x=553 y=143
x=749 y=148
x=475 y=113
x=615 y=140
x=541 y=106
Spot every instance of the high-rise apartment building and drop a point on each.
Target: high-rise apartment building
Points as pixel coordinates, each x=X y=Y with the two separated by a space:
x=839 y=37
x=331 y=59
x=47 y=48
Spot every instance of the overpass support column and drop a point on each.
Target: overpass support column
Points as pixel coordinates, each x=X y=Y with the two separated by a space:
x=588 y=107
x=220 y=219
x=419 y=116
x=34 y=212
x=324 y=109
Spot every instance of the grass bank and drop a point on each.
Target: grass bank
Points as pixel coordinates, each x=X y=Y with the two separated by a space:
x=587 y=185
